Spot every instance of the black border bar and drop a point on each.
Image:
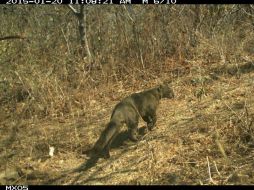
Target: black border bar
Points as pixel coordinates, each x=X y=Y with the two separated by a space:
x=98 y=2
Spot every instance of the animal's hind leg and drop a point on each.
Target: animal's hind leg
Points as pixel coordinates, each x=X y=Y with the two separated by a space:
x=133 y=131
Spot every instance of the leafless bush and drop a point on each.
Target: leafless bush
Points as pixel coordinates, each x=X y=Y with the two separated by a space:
x=137 y=42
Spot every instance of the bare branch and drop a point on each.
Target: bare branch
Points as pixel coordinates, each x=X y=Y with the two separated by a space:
x=12 y=37
x=73 y=10
x=209 y=171
x=128 y=13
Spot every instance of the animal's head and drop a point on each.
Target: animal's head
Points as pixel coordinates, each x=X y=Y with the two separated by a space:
x=165 y=91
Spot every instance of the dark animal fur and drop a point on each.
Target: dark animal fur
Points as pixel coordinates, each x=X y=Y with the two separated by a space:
x=127 y=112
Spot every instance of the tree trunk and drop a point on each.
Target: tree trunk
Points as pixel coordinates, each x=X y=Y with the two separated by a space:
x=82 y=32
x=81 y=15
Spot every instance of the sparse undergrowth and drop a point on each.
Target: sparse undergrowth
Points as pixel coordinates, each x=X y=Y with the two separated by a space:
x=204 y=136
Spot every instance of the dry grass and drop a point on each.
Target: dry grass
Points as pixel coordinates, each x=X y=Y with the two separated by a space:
x=202 y=136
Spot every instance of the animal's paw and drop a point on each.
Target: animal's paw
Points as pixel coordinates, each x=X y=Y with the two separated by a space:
x=106 y=155
x=134 y=138
x=89 y=152
x=145 y=131
x=150 y=126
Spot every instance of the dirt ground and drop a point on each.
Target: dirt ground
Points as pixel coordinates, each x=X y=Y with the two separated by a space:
x=205 y=135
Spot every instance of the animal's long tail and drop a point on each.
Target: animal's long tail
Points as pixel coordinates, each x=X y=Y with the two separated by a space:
x=106 y=136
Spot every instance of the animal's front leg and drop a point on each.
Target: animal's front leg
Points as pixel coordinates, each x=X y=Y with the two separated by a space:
x=133 y=131
x=151 y=121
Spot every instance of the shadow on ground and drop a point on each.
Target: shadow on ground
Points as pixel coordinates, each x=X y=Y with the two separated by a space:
x=119 y=142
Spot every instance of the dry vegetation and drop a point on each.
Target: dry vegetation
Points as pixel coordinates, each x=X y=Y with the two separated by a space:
x=52 y=97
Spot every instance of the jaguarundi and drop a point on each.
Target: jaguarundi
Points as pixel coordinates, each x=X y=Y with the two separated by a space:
x=127 y=112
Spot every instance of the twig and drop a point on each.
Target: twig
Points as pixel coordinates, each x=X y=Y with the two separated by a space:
x=209 y=171
x=128 y=14
x=216 y=168
x=218 y=143
x=12 y=37
x=239 y=118
x=66 y=40
x=73 y=10
x=221 y=149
